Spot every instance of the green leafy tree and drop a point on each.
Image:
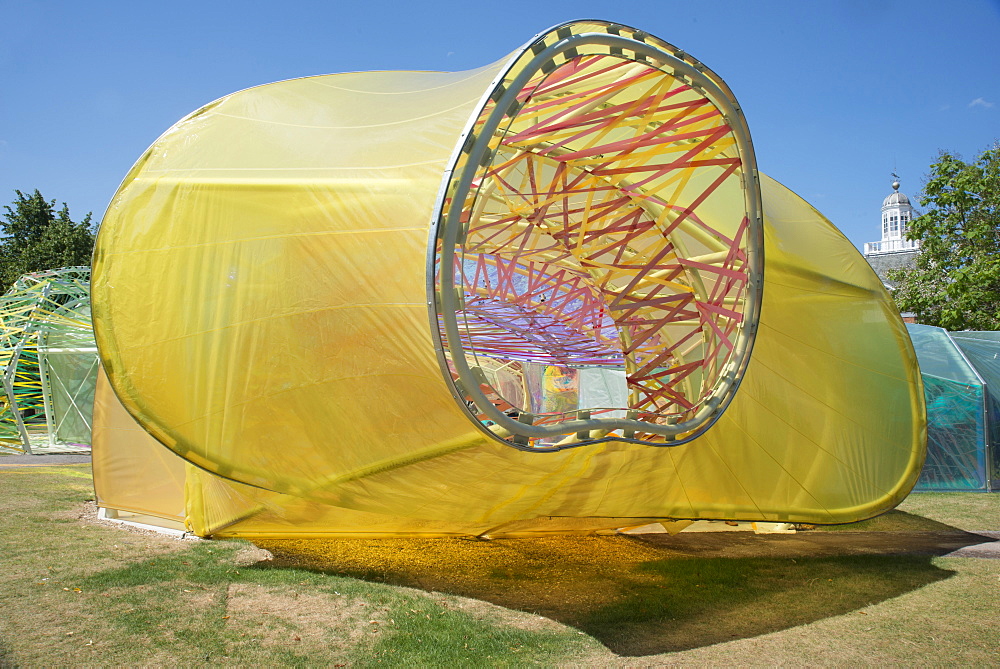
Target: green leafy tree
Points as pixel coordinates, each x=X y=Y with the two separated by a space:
x=36 y=236
x=956 y=282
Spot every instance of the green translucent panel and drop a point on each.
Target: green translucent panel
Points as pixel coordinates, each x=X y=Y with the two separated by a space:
x=48 y=362
x=990 y=335
x=72 y=378
x=938 y=355
x=69 y=357
x=984 y=354
x=993 y=449
x=961 y=375
x=983 y=351
x=956 y=457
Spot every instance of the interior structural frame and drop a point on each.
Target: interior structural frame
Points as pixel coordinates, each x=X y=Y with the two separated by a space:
x=448 y=230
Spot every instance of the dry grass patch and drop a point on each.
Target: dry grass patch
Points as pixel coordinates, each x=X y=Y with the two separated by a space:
x=319 y=622
x=250 y=555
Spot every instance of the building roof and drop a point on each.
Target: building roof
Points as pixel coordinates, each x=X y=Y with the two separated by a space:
x=900 y=260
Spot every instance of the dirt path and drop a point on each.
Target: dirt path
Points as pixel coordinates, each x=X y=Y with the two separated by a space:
x=47 y=460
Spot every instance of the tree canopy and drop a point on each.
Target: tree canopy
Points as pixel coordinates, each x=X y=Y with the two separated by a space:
x=36 y=236
x=956 y=282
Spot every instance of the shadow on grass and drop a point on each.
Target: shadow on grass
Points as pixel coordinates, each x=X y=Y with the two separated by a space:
x=723 y=599
x=634 y=596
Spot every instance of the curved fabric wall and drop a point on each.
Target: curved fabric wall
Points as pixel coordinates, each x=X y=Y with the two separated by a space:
x=132 y=471
x=269 y=304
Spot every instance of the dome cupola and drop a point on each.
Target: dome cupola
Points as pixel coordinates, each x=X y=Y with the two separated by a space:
x=895 y=198
x=897 y=212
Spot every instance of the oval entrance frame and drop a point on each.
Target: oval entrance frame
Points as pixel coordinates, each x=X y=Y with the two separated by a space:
x=629 y=154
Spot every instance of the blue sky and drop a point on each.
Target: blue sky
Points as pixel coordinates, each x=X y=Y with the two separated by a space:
x=837 y=94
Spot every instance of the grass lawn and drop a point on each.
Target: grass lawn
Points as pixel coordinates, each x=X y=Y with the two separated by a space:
x=74 y=592
x=933 y=512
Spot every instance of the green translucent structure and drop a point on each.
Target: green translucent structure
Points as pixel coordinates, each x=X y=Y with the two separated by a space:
x=49 y=363
x=961 y=375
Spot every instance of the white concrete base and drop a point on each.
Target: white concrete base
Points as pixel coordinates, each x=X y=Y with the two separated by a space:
x=161 y=525
x=773 y=528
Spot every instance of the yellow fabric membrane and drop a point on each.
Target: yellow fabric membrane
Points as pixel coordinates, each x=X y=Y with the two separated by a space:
x=527 y=298
x=133 y=473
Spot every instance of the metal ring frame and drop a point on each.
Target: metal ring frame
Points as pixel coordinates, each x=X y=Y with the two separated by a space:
x=448 y=230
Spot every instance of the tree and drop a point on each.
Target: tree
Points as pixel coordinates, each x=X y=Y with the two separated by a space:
x=956 y=282
x=35 y=236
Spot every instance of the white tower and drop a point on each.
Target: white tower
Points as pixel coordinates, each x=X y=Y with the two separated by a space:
x=896 y=216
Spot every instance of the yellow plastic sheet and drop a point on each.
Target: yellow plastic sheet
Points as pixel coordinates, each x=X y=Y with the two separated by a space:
x=132 y=471
x=260 y=298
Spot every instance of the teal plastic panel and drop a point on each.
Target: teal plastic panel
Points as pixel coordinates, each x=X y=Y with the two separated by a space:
x=983 y=350
x=957 y=429
x=956 y=454
x=939 y=356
